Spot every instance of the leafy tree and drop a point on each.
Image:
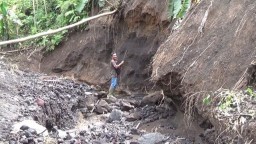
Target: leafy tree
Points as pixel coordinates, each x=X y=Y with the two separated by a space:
x=19 y=18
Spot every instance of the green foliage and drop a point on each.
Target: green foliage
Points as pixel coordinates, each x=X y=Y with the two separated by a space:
x=227 y=101
x=207 y=100
x=3 y=20
x=3 y=6
x=178 y=8
x=80 y=6
x=19 y=18
x=101 y=3
x=184 y=8
x=250 y=92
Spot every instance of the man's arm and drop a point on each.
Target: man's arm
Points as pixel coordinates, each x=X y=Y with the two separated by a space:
x=116 y=65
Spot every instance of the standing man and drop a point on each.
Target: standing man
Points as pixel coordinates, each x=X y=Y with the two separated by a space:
x=115 y=72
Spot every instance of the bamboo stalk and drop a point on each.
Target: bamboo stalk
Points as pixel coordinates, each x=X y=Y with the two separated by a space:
x=45 y=9
x=34 y=11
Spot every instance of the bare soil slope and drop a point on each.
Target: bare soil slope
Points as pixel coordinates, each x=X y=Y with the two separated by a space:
x=218 y=55
x=138 y=28
x=214 y=48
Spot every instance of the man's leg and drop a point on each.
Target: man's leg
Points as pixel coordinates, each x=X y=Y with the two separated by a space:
x=112 y=86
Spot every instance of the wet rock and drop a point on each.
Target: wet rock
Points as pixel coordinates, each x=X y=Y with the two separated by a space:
x=31 y=140
x=89 y=102
x=152 y=138
x=81 y=103
x=28 y=134
x=101 y=94
x=32 y=131
x=32 y=108
x=125 y=106
x=23 y=140
x=40 y=139
x=135 y=131
x=60 y=141
x=73 y=141
x=24 y=127
x=133 y=117
x=102 y=107
x=152 y=99
x=68 y=136
x=83 y=111
x=115 y=115
x=12 y=142
x=111 y=99
x=135 y=103
x=82 y=133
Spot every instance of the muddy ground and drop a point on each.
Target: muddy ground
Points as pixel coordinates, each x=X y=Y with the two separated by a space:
x=74 y=112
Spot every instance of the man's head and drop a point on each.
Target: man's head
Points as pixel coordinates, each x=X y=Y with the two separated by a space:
x=114 y=56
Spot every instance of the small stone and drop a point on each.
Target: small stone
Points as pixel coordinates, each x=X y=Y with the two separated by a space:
x=32 y=131
x=31 y=140
x=32 y=108
x=12 y=142
x=82 y=133
x=111 y=99
x=24 y=140
x=125 y=106
x=60 y=140
x=102 y=107
x=40 y=139
x=135 y=131
x=83 y=110
x=24 y=127
x=152 y=138
x=101 y=94
x=89 y=101
x=28 y=134
x=133 y=117
x=73 y=141
x=115 y=115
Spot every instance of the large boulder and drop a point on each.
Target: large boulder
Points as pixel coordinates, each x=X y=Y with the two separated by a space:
x=152 y=99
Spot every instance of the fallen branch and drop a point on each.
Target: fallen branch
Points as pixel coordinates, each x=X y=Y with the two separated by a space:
x=12 y=51
x=50 y=32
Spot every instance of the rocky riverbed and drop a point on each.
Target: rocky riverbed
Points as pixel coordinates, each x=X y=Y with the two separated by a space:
x=74 y=112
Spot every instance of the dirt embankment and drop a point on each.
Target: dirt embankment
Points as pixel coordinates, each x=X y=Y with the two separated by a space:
x=213 y=49
x=138 y=28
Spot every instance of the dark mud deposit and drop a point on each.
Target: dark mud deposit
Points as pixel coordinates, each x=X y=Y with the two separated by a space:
x=78 y=113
